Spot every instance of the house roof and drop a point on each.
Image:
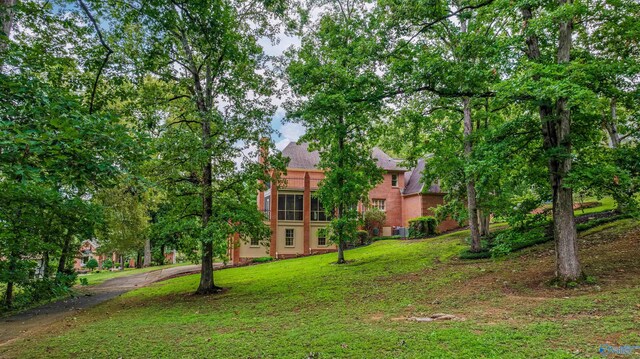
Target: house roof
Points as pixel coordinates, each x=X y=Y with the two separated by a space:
x=300 y=157
x=414 y=183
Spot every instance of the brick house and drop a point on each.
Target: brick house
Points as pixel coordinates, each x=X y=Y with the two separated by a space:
x=89 y=250
x=297 y=219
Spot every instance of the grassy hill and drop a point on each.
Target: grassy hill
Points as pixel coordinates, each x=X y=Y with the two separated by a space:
x=310 y=307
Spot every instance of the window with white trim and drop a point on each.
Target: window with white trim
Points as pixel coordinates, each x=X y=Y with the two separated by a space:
x=288 y=237
x=394 y=180
x=322 y=237
x=255 y=242
x=378 y=203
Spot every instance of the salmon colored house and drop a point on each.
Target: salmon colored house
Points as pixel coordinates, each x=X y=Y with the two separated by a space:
x=297 y=219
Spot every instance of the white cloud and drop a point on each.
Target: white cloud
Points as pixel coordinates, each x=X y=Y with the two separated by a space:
x=290 y=132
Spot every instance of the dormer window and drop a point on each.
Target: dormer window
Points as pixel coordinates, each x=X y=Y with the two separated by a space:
x=394 y=180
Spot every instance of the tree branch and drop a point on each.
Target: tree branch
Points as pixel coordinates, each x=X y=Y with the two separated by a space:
x=85 y=9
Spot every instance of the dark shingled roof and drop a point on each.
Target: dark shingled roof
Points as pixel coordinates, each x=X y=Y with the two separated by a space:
x=414 y=182
x=300 y=157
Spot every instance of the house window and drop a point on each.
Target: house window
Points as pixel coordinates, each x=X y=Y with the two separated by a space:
x=378 y=203
x=288 y=237
x=322 y=237
x=290 y=207
x=255 y=242
x=394 y=180
x=317 y=211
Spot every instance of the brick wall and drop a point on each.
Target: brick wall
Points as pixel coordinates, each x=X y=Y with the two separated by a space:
x=392 y=197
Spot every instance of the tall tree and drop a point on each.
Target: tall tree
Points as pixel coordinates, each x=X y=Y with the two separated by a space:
x=219 y=111
x=443 y=65
x=328 y=74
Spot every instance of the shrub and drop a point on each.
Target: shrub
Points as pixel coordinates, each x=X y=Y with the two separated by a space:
x=467 y=254
x=49 y=288
x=92 y=264
x=107 y=264
x=374 y=220
x=421 y=227
x=363 y=237
x=262 y=260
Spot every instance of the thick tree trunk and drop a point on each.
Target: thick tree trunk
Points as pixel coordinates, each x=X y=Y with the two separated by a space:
x=62 y=262
x=207 y=285
x=147 y=253
x=139 y=260
x=567 y=263
x=121 y=262
x=556 y=135
x=471 y=186
x=483 y=221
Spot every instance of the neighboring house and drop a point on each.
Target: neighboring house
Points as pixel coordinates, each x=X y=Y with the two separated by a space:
x=88 y=250
x=297 y=219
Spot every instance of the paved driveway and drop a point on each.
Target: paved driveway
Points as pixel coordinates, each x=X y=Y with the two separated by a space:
x=18 y=325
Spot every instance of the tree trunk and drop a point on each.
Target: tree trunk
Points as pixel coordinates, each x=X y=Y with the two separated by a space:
x=62 y=262
x=207 y=285
x=341 y=207
x=483 y=221
x=8 y=294
x=45 y=265
x=556 y=135
x=471 y=186
x=162 y=255
x=139 y=260
x=341 y=253
x=6 y=18
x=121 y=262
x=147 y=253
x=611 y=126
x=567 y=263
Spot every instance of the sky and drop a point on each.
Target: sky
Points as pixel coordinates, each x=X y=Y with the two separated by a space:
x=284 y=132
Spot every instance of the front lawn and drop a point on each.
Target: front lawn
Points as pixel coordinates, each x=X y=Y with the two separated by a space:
x=311 y=308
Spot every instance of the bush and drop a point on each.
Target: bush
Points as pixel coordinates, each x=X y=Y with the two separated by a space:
x=262 y=260
x=374 y=220
x=49 y=288
x=92 y=264
x=421 y=227
x=107 y=264
x=467 y=254
x=363 y=237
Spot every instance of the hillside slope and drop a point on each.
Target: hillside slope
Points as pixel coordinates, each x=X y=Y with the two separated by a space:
x=310 y=307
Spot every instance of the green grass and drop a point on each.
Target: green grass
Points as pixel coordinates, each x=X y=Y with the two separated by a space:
x=97 y=278
x=311 y=307
x=606 y=204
